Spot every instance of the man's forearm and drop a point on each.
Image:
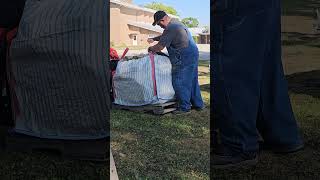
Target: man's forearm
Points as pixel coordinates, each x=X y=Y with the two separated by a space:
x=156 y=48
x=157 y=38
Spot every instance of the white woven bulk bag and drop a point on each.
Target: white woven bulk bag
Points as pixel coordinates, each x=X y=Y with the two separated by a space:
x=143 y=81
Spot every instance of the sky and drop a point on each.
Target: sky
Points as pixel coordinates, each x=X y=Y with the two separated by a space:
x=186 y=8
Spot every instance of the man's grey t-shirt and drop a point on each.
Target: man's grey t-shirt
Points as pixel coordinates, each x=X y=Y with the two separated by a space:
x=174 y=35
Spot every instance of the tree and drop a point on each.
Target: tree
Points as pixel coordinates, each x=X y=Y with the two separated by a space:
x=190 y=22
x=206 y=29
x=159 y=6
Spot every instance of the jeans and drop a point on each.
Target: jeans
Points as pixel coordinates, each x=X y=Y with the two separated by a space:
x=250 y=94
x=185 y=76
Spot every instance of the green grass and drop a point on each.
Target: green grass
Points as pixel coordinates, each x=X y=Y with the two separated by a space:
x=300 y=7
x=146 y=146
x=294 y=39
x=204 y=63
x=47 y=166
x=41 y=166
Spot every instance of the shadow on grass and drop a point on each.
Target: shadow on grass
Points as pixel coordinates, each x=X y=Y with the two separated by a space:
x=43 y=166
x=46 y=164
x=300 y=165
x=296 y=38
x=205 y=87
x=300 y=7
x=305 y=83
x=207 y=74
x=204 y=63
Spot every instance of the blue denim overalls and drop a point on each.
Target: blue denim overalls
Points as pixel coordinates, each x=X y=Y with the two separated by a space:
x=250 y=93
x=185 y=74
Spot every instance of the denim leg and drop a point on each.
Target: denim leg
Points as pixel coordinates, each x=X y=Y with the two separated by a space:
x=276 y=123
x=182 y=84
x=239 y=53
x=250 y=89
x=196 y=98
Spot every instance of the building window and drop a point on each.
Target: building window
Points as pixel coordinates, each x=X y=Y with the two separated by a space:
x=134 y=40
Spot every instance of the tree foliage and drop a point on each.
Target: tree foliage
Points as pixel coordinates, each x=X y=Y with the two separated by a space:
x=159 y=6
x=190 y=22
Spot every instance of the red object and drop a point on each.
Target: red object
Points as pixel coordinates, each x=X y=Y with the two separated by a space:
x=113 y=54
x=115 y=57
x=8 y=36
x=151 y=55
x=3 y=33
x=11 y=35
x=124 y=53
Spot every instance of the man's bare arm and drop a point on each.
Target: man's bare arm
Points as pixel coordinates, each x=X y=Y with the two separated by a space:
x=151 y=40
x=156 y=48
x=156 y=38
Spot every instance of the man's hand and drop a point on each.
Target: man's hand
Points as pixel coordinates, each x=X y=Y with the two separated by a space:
x=156 y=48
x=150 y=50
x=150 y=40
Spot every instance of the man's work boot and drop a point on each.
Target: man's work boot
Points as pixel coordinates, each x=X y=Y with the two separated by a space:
x=224 y=158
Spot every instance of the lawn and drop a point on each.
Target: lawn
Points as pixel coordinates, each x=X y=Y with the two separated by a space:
x=47 y=166
x=300 y=7
x=43 y=166
x=301 y=54
x=146 y=146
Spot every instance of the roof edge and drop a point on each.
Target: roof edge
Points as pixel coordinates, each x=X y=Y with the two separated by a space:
x=133 y=6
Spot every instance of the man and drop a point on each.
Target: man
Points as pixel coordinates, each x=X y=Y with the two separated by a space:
x=183 y=54
x=250 y=96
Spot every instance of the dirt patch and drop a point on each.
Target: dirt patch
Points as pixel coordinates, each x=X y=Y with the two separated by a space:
x=300 y=59
x=301 y=24
x=305 y=83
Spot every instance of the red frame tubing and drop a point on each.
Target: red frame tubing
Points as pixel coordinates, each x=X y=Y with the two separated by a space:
x=3 y=33
x=11 y=80
x=151 y=55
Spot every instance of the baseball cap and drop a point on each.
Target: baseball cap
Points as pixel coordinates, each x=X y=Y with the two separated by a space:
x=158 y=16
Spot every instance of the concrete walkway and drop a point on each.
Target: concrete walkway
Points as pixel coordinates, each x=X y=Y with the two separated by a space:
x=113 y=169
